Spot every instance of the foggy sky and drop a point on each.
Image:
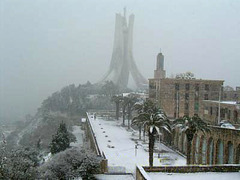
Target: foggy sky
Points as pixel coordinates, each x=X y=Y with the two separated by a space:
x=46 y=45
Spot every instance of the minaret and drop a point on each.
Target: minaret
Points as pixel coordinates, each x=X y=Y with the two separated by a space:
x=160 y=73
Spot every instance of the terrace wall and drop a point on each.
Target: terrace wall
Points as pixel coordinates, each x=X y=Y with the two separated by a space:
x=141 y=172
x=90 y=136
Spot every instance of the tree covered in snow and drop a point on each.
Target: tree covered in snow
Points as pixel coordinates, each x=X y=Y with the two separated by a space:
x=109 y=89
x=228 y=88
x=128 y=102
x=19 y=163
x=186 y=75
x=154 y=120
x=142 y=107
x=3 y=157
x=39 y=133
x=70 y=164
x=190 y=126
x=117 y=99
x=61 y=140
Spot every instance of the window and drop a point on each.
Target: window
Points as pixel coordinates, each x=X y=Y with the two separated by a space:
x=187 y=87
x=177 y=87
x=222 y=113
x=205 y=96
x=196 y=87
x=206 y=87
x=177 y=96
x=211 y=111
x=186 y=96
x=152 y=86
x=229 y=114
x=196 y=106
x=225 y=96
x=186 y=106
x=196 y=96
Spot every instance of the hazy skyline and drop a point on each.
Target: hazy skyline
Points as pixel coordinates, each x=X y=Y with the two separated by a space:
x=46 y=45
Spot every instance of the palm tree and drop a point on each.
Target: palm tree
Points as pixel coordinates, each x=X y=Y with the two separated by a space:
x=117 y=100
x=130 y=101
x=124 y=105
x=154 y=120
x=143 y=107
x=190 y=126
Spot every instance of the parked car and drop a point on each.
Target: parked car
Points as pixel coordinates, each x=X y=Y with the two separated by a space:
x=223 y=122
x=227 y=125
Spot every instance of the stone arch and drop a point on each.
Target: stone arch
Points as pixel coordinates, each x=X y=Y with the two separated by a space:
x=203 y=150
x=237 y=161
x=192 y=154
x=184 y=143
x=176 y=138
x=229 y=157
x=219 y=152
x=168 y=137
x=197 y=152
x=210 y=151
x=180 y=141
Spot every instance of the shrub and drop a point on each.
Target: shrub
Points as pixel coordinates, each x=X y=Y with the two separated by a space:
x=70 y=164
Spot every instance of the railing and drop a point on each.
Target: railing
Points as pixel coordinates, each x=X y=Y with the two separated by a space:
x=194 y=168
x=142 y=172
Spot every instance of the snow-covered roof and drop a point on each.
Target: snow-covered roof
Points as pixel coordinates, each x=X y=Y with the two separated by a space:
x=223 y=102
x=195 y=176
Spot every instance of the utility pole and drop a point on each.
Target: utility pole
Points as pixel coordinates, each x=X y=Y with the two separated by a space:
x=177 y=111
x=219 y=106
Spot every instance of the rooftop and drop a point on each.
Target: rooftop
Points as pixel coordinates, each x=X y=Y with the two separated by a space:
x=195 y=176
x=223 y=102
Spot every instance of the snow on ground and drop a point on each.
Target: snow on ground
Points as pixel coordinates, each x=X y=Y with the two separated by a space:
x=118 y=145
x=115 y=177
x=47 y=157
x=195 y=176
x=79 y=133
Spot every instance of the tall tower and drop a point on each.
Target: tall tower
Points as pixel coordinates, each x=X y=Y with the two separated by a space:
x=160 y=73
x=122 y=63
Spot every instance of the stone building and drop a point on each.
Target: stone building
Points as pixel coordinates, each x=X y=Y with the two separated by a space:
x=179 y=97
x=231 y=94
x=229 y=110
x=189 y=96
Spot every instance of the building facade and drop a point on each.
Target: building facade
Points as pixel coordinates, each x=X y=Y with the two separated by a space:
x=229 y=110
x=231 y=95
x=179 y=97
x=189 y=96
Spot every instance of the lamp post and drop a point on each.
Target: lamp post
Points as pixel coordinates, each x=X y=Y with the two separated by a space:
x=219 y=106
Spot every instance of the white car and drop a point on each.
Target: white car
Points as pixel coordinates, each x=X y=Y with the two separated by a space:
x=227 y=125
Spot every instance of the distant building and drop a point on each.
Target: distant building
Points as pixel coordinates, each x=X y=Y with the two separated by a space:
x=229 y=110
x=231 y=94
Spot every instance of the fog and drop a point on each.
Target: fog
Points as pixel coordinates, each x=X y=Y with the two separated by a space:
x=46 y=45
